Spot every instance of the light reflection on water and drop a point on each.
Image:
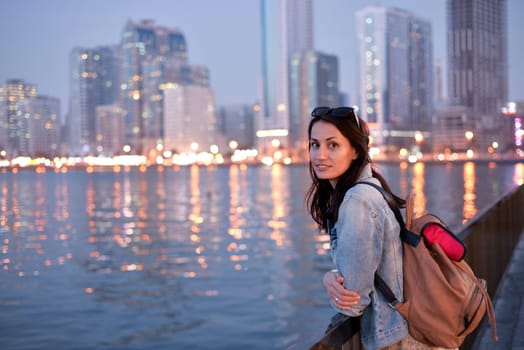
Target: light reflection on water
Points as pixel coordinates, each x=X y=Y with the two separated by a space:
x=189 y=257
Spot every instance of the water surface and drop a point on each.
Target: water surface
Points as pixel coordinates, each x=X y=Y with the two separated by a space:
x=187 y=258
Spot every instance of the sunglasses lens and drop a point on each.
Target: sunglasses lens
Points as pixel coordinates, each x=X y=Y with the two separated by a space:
x=320 y=111
x=342 y=112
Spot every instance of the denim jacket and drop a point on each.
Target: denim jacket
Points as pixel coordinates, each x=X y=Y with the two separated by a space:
x=366 y=239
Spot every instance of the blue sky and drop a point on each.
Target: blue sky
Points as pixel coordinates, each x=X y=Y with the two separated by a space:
x=37 y=36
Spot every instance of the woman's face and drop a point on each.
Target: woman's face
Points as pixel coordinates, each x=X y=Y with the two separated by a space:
x=330 y=152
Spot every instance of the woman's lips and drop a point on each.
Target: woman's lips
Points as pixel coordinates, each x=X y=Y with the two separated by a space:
x=321 y=167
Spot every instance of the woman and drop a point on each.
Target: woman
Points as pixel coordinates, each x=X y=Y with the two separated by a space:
x=364 y=233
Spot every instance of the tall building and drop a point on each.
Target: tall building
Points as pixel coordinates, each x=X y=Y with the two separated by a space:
x=512 y=129
x=313 y=82
x=421 y=96
x=143 y=42
x=109 y=130
x=3 y=123
x=439 y=95
x=93 y=82
x=156 y=74
x=299 y=19
x=160 y=73
x=287 y=27
x=236 y=123
x=518 y=127
x=395 y=74
x=477 y=62
x=39 y=127
x=452 y=130
x=189 y=119
x=12 y=92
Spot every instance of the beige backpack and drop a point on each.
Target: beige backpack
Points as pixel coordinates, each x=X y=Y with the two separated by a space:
x=443 y=299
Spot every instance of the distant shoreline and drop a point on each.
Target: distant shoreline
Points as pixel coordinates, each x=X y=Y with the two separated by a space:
x=65 y=167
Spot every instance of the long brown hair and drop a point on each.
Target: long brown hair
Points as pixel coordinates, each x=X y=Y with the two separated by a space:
x=324 y=200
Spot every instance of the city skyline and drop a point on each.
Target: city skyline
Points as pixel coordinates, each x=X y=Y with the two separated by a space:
x=39 y=53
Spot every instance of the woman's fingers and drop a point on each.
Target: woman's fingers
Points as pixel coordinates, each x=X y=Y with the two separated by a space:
x=345 y=305
x=345 y=293
x=341 y=297
x=344 y=298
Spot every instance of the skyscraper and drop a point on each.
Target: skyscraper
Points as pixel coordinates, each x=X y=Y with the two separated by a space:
x=109 y=129
x=421 y=96
x=438 y=83
x=143 y=42
x=159 y=73
x=12 y=93
x=395 y=74
x=477 y=62
x=313 y=82
x=189 y=119
x=235 y=122
x=40 y=127
x=287 y=27
x=93 y=82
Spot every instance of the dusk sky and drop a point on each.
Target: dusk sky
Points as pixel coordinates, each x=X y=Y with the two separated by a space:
x=37 y=36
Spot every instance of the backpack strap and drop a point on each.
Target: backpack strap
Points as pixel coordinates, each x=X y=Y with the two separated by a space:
x=405 y=234
x=410 y=210
x=383 y=287
x=489 y=305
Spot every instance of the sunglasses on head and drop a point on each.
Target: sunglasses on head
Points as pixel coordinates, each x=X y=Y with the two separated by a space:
x=341 y=112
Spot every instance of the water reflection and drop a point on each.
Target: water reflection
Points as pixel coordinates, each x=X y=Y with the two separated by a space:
x=61 y=198
x=470 y=209
x=404 y=185
x=196 y=219
x=279 y=187
x=187 y=257
x=518 y=177
x=418 y=189
x=235 y=209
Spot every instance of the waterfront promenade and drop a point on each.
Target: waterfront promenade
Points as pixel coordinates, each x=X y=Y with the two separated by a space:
x=509 y=308
x=495 y=240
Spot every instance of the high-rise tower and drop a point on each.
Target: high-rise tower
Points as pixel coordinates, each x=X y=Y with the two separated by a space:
x=93 y=82
x=12 y=93
x=313 y=82
x=477 y=63
x=190 y=119
x=40 y=127
x=143 y=42
x=287 y=27
x=395 y=74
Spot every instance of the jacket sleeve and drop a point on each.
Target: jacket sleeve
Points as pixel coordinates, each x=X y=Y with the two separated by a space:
x=359 y=247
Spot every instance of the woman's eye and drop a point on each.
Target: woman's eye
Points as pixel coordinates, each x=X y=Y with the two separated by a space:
x=313 y=144
x=333 y=145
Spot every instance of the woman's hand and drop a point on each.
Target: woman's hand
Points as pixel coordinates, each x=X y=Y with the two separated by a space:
x=342 y=298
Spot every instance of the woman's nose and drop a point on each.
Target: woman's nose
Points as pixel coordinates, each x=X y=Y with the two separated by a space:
x=321 y=152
